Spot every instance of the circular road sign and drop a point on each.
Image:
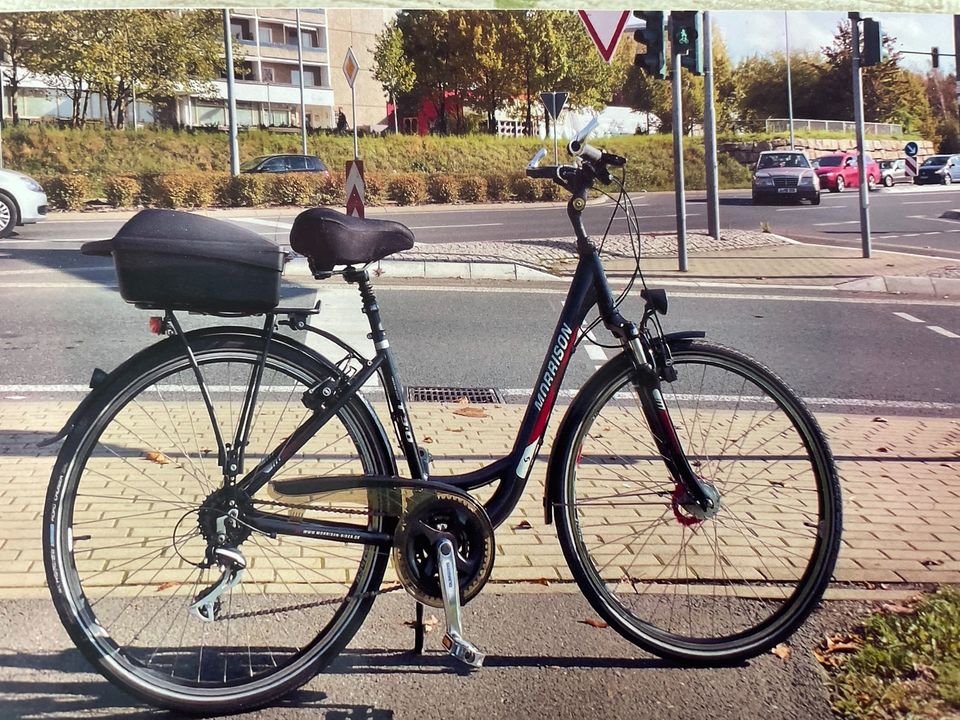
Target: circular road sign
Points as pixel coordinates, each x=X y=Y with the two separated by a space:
x=911 y=149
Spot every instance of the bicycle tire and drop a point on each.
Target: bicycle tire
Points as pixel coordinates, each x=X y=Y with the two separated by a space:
x=750 y=598
x=273 y=648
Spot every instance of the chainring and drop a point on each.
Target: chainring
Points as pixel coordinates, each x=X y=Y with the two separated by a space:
x=428 y=517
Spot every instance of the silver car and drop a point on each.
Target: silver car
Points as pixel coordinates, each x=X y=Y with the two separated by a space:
x=22 y=201
x=893 y=171
x=784 y=175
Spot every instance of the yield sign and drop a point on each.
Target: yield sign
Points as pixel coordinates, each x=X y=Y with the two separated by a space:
x=605 y=28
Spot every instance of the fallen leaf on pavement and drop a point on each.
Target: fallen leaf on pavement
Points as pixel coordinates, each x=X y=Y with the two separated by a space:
x=542 y=581
x=157 y=457
x=599 y=624
x=782 y=651
x=931 y=563
x=166 y=586
x=463 y=400
x=429 y=623
x=522 y=525
x=427 y=440
x=459 y=429
x=470 y=411
x=879 y=420
x=882 y=449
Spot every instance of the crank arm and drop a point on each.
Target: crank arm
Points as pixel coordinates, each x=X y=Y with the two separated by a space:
x=457 y=645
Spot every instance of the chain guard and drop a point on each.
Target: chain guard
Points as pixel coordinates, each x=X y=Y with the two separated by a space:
x=428 y=517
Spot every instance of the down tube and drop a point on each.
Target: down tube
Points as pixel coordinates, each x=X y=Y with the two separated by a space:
x=580 y=299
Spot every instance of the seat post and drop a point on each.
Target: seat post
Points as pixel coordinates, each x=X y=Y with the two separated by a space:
x=417 y=461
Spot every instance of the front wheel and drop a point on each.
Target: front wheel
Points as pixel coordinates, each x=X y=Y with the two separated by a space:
x=701 y=589
x=947 y=179
x=840 y=184
x=138 y=497
x=888 y=181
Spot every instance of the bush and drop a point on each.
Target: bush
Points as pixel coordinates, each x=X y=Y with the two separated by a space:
x=549 y=190
x=526 y=189
x=293 y=188
x=407 y=189
x=376 y=185
x=203 y=189
x=443 y=188
x=122 y=191
x=498 y=187
x=247 y=189
x=473 y=189
x=167 y=189
x=329 y=190
x=67 y=192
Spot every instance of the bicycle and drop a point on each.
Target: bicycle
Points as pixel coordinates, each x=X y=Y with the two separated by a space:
x=695 y=497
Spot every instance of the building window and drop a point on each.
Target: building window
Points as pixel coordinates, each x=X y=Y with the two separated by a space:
x=266 y=35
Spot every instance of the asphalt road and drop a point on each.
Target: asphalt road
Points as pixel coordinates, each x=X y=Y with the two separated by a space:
x=543 y=662
x=903 y=218
x=865 y=354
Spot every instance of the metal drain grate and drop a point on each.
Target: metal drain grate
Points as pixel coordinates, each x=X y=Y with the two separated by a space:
x=453 y=394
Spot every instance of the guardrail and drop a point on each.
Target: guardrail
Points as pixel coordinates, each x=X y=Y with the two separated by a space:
x=783 y=125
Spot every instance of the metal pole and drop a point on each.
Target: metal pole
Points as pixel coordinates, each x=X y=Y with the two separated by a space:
x=858 y=121
x=956 y=51
x=133 y=89
x=678 y=164
x=231 y=97
x=303 y=105
x=786 y=33
x=556 y=151
x=710 y=133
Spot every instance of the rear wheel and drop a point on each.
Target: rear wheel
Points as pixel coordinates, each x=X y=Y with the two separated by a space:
x=871 y=183
x=947 y=179
x=840 y=184
x=679 y=584
x=137 y=494
x=888 y=180
x=815 y=200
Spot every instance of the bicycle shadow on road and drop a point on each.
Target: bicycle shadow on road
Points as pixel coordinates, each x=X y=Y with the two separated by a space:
x=63 y=684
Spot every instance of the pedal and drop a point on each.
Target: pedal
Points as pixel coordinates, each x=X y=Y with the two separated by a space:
x=207 y=605
x=454 y=642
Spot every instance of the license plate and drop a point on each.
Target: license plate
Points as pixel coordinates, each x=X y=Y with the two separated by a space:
x=787 y=190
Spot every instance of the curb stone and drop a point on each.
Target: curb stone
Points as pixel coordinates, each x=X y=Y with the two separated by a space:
x=907 y=285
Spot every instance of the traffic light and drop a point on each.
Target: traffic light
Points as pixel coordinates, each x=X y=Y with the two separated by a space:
x=653 y=60
x=873 y=51
x=685 y=31
x=935 y=57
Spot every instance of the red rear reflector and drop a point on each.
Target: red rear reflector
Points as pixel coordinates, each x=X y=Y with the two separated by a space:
x=156 y=325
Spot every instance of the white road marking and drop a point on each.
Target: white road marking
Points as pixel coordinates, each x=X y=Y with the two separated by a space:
x=847 y=222
x=908 y=317
x=522 y=393
x=807 y=208
x=267 y=223
x=940 y=331
x=38 y=241
x=924 y=217
x=444 y=227
x=594 y=352
x=928 y=202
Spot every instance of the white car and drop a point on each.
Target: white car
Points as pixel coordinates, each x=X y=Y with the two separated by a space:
x=22 y=201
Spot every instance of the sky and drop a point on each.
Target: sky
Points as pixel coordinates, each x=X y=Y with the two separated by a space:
x=748 y=33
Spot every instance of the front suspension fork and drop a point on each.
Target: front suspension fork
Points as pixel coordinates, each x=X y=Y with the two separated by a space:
x=646 y=381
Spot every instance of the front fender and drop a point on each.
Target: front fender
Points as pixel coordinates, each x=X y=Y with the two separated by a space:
x=553 y=489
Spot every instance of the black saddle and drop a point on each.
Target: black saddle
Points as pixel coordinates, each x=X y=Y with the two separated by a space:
x=327 y=238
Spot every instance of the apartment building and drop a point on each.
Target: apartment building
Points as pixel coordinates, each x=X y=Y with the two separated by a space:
x=267 y=89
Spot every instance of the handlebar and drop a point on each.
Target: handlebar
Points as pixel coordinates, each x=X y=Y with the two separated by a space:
x=598 y=160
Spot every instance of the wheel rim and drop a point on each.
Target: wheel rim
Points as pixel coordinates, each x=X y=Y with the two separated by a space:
x=131 y=590
x=839 y=184
x=5 y=216
x=701 y=586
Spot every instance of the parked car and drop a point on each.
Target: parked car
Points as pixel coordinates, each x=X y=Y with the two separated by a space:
x=839 y=171
x=284 y=164
x=22 y=201
x=893 y=171
x=940 y=169
x=785 y=174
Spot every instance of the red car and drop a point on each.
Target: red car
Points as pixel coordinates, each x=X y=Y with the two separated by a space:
x=839 y=171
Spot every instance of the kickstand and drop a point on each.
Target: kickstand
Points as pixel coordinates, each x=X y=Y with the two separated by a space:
x=418 y=631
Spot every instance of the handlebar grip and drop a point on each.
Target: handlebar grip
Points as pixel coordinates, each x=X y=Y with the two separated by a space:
x=548 y=172
x=587 y=152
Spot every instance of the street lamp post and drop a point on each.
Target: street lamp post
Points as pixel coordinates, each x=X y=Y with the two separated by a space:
x=303 y=105
x=786 y=33
x=231 y=96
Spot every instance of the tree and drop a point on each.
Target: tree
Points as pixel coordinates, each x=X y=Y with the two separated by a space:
x=761 y=88
x=392 y=69
x=493 y=80
x=18 y=31
x=941 y=91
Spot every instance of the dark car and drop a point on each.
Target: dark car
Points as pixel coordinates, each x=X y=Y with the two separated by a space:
x=893 y=171
x=284 y=164
x=939 y=169
x=839 y=170
x=784 y=174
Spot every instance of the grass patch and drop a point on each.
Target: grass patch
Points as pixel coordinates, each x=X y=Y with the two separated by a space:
x=907 y=664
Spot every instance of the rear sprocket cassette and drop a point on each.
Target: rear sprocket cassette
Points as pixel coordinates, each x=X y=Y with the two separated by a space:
x=430 y=516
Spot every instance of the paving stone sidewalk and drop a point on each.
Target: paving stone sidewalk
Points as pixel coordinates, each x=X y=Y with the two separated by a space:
x=899 y=477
